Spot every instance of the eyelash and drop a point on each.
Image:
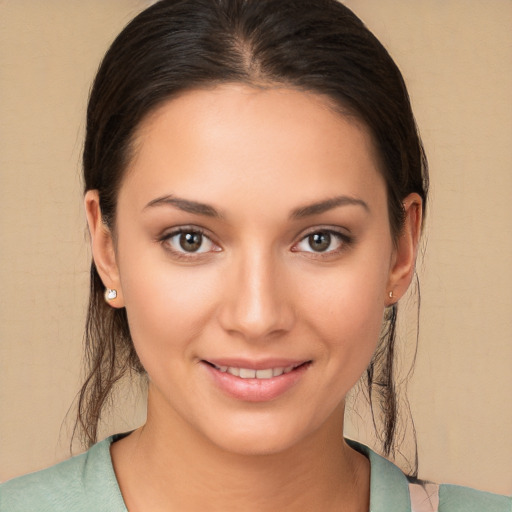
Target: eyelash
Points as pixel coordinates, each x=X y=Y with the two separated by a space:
x=344 y=240
x=186 y=256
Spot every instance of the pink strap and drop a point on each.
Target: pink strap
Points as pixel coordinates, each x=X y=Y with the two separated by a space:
x=424 y=497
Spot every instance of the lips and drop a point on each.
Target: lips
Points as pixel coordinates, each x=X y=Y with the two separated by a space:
x=256 y=382
x=251 y=373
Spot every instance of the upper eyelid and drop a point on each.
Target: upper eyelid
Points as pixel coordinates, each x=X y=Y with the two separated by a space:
x=185 y=255
x=340 y=231
x=170 y=232
x=345 y=242
x=346 y=239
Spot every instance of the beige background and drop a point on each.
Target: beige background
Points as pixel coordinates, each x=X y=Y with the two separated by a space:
x=456 y=56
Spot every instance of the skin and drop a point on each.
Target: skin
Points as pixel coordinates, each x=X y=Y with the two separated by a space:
x=257 y=289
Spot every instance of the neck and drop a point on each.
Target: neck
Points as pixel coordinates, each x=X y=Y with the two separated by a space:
x=166 y=465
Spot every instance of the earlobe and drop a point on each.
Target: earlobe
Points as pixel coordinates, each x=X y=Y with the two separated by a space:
x=404 y=260
x=103 y=251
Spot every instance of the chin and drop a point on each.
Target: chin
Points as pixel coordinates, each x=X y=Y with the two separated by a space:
x=259 y=436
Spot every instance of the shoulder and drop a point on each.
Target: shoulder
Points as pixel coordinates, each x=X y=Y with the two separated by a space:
x=56 y=488
x=84 y=482
x=391 y=490
x=454 y=498
x=429 y=497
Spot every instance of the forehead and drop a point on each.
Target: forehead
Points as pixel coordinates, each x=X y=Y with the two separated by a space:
x=268 y=144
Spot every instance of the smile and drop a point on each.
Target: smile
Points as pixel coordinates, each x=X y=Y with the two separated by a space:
x=250 y=373
x=268 y=381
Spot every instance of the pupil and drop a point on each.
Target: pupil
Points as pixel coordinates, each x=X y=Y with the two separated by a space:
x=320 y=241
x=191 y=241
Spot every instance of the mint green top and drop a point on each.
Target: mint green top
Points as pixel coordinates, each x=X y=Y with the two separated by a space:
x=87 y=483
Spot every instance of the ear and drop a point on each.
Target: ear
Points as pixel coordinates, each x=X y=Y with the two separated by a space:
x=103 y=250
x=404 y=258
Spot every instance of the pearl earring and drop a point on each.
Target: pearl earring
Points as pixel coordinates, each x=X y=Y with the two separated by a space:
x=110 y=294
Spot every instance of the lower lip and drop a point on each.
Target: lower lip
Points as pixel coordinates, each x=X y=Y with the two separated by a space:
x=256 y=390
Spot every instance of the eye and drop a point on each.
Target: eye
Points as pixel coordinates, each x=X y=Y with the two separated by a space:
x=189 y=241
x=323 y=241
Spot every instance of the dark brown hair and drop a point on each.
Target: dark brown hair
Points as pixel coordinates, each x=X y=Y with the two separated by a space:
x=176 y=45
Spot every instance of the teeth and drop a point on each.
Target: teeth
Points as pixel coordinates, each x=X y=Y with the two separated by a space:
x=248 y=373
x=264 y=374
x=245 y=373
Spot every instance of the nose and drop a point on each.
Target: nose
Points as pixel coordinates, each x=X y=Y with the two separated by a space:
x=257 y=303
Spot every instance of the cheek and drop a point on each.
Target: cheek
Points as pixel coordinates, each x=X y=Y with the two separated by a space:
x=352 y=323
x=167 y=305
x=352 y=304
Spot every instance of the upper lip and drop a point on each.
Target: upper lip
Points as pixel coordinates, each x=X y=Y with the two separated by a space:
x=252 y=364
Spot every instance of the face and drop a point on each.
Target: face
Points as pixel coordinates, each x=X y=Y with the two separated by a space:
x=254 y=257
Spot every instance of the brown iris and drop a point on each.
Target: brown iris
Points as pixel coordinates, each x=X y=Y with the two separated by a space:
x=320 y=241
x=191 y=241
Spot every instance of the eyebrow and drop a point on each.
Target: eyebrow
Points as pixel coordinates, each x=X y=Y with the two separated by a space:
x=186 y=205
x=328 y=204
x=207 y=210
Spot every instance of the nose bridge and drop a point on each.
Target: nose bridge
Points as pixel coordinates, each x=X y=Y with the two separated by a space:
x=256 y=302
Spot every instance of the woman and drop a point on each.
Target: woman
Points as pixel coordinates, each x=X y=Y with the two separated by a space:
x=254 y=189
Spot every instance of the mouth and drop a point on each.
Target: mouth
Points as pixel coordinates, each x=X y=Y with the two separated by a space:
x=252 y=373
x=256 y=381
